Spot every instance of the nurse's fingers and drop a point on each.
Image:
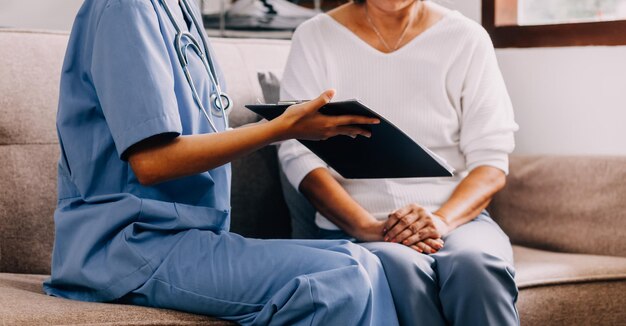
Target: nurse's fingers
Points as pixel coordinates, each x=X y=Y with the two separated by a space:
x=315 y=104
x=345 y=120
x=353 y=132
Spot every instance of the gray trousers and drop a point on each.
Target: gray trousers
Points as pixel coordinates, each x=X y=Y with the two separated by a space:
x=469 y=282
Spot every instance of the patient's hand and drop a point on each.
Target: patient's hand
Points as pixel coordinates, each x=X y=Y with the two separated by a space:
x=416 y=227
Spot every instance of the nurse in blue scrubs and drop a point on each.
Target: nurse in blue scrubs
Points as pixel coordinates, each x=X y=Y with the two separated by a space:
x=144 y=181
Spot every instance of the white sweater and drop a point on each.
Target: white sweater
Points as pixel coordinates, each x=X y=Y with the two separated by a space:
x=443 y=88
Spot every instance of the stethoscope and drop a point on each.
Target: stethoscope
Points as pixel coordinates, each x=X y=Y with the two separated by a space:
x=220 y=102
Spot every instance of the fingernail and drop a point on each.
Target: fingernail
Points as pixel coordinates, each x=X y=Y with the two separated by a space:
x=405 y=242
x=386 y=239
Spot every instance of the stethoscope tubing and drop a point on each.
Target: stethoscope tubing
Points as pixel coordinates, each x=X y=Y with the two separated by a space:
x=207 y=60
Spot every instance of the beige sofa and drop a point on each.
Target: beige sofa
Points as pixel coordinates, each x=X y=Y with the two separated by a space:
x=565 y=215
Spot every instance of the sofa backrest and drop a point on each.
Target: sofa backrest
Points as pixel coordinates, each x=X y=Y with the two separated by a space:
x=30 y=66
x=258 y=207
x=567 y=204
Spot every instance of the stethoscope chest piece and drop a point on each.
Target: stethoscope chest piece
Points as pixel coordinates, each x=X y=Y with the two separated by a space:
x=216 y=104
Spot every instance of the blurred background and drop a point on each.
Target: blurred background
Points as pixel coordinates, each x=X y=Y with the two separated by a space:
x=567 y=99
x=59 y=14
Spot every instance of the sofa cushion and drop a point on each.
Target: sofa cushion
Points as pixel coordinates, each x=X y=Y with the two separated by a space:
x=568 y=204
x=569 y=289
x=535 y=268
x=27 y=199
x=258 y=209
x=30 y=66
x=593 y=303
x=30 y=70
x=22 y=302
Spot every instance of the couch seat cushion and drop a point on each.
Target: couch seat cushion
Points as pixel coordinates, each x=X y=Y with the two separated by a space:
x=22 y=302
x=570 y=289
x=538 y=267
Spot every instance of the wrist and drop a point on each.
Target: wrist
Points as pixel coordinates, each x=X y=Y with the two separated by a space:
x=441 y=216
x=369 y=229
x=278 y=129
x=443 y=225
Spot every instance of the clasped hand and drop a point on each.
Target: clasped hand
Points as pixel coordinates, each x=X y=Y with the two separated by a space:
x=416 y=227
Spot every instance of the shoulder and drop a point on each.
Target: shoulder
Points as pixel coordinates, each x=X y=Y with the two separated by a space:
x=318 y=24
x=328 y=22
x=465 y=30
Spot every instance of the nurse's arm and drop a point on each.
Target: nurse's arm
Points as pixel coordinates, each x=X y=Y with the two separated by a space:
x=163 y=158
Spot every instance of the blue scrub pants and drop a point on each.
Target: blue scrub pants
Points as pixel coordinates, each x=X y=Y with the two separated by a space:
x=271 y=282
x=469 y=282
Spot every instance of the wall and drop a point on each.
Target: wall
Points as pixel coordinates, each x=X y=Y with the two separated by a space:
x=569 y=100
x=51 y=14
x=41 y=14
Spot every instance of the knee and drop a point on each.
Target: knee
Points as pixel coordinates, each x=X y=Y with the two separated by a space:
x=348 y=288
x=479 y=271
x=405 y=262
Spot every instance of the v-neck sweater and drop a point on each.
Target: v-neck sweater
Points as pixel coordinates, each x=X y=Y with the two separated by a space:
x=443 y=88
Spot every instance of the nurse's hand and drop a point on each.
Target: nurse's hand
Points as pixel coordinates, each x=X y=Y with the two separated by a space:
x=303 y=121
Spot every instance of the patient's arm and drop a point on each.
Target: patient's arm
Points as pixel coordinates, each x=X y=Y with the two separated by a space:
x=334 y=202
x=411 y=224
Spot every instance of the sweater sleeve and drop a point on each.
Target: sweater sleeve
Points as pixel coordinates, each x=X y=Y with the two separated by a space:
x=487 y=123
x=303 y=79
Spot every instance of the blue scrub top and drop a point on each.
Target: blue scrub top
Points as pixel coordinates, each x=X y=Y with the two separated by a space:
x=122 y=83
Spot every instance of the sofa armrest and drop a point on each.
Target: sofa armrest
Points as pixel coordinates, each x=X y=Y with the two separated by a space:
x=565 y=203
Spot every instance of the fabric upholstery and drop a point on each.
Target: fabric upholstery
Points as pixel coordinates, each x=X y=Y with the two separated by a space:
x=30 y=70
x=30 y=66
x=270 y=85
x=257 y=210
x=540 y=268
x=593 y=303
x=568 y=204
x=569 y=289
x=27 y=200
x=22 y=302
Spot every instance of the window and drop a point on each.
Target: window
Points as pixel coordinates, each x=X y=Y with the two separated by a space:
x=540 y=23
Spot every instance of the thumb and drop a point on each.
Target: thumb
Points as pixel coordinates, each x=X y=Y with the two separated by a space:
x=321 y=100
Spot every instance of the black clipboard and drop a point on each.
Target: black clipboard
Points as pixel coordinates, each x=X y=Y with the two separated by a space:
x=389 y=153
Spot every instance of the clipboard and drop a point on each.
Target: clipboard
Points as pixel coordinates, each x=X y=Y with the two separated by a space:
x=389 y=153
